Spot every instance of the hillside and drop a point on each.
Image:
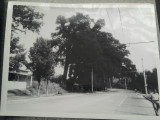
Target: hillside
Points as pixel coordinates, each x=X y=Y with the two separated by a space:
x=53 y=89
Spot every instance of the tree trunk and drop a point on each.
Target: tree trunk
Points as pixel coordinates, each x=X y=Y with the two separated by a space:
x=47 y=88
x=104 y=80
x=110 y=84
x=38 y=88
x=125 y=83
x=65 y=70
x=92 y=80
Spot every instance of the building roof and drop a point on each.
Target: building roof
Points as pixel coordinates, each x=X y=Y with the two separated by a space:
x=22 y=72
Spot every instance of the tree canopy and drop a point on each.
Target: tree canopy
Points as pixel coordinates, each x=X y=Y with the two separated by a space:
x=24 y=18
x=17 y=57
x=83 y=45
x=42 y=60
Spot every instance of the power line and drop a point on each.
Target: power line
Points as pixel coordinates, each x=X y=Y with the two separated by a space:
x=109 y=18
x=121 y=23
x=123 y=30
x=140 y=42
x=120 y=18
x=134 y=43
x=110 y=23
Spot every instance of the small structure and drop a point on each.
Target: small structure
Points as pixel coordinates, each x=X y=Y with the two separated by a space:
x=19 y=80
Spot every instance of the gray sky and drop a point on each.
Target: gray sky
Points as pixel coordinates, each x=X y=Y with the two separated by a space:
x=134 y=25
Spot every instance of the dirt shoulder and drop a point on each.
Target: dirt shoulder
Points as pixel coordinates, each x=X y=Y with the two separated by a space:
x=53 y=88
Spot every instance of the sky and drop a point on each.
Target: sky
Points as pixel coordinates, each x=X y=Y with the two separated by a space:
x=128 y=25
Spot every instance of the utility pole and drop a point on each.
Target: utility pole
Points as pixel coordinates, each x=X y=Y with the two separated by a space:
x=144 y=75
x=92 y=80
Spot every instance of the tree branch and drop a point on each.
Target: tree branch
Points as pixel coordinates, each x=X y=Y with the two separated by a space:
x=15 y=28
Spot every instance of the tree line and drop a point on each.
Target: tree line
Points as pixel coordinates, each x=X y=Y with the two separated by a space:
x=80 y=45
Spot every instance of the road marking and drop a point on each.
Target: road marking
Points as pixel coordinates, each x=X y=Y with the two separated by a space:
x=122 y=101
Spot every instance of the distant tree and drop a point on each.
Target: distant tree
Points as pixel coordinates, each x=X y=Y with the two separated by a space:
x=152 y=80
x=139 y=82
x=24 y=18
x=42 y=61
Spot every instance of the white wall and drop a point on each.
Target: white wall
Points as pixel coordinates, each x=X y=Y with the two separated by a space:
x=16 y=85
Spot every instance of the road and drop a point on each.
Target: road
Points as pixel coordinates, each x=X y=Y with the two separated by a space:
x=116 y=101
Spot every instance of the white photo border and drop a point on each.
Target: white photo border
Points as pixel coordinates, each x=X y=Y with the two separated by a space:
x=64 y=115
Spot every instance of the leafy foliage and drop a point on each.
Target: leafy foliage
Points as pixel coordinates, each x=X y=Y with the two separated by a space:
x=42 y=59
x=24 y=18
x=151 y=79
x=82 y=46
x=17 y=57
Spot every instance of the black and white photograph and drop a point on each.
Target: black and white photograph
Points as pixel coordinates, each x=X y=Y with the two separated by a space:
x=81 y=59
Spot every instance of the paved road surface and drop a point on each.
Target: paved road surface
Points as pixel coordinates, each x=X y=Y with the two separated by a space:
x=122 y=102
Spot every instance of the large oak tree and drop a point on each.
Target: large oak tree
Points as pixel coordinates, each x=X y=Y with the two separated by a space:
x=82 y=44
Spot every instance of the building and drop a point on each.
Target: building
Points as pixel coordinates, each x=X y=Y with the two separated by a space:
x=19 y=80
